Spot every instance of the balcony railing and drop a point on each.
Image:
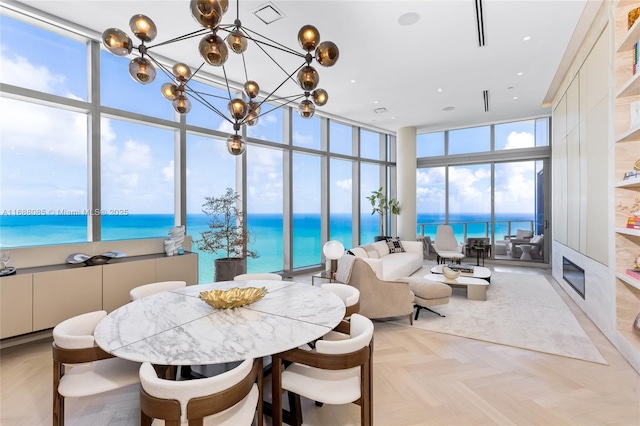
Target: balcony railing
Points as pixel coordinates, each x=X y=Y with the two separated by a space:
x=479 y=229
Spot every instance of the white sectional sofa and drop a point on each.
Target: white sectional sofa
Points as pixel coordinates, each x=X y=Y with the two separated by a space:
x=391 y=266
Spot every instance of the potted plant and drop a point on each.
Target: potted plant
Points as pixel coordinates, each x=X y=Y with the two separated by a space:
x=382 y=206
x=227 y=234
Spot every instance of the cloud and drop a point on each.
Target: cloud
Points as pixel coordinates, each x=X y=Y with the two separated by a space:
x=345 y=184
x=17 y=70
x=305 y=140
x=168 y=172
x=517 y=140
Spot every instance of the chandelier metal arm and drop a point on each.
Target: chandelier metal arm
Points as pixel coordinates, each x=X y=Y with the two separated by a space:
x=293 y=99
x=198 y=96
x=272 y=43
x=182 y=37
x=281 y=84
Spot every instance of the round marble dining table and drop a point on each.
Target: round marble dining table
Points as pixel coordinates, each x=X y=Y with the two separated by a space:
x=177 y=328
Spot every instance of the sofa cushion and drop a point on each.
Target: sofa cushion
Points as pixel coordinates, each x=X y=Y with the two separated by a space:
x=395 y=245
x=372 y=252
x=359 y=252
x=523 y=234
x=536 y=239
x=398 y=265
x=381 y=247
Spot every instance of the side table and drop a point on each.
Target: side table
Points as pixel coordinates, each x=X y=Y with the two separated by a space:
x=324 y=275
x=526 y=249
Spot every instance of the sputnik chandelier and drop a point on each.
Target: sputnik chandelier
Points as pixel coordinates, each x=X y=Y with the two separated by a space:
x=215 y=51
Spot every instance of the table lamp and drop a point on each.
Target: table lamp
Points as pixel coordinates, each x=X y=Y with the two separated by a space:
x=332 y=250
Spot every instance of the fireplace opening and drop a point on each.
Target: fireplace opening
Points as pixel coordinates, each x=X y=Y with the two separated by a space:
x=573 y=275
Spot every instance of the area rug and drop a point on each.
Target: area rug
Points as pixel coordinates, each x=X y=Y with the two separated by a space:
x=521 y=310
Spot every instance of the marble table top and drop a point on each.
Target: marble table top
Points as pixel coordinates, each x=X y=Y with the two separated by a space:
x=177 y=328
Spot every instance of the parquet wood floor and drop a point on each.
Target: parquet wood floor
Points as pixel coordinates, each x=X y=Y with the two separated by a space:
x=420 y=378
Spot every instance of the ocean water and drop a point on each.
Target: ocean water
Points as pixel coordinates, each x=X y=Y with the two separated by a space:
x=267 y=231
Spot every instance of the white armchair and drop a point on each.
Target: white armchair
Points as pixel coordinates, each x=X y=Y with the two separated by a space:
x=446 y=245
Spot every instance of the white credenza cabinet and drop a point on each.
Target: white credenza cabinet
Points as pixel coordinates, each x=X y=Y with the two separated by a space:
x=39 y=298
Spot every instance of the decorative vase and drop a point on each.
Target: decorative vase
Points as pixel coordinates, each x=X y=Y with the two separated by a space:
x=227 y=268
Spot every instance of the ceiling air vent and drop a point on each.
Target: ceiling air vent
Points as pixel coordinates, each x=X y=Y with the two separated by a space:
x=380 y=110
x=485 y=97
x=268 y=13
x=480 y=22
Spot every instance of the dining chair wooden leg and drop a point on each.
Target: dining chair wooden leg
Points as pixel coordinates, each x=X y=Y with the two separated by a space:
x=295 y=409
x=276 y=390
x=58 y=400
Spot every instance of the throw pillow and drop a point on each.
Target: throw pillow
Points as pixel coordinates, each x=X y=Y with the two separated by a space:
x=371 y=251
x=523 y=234
x=395 y=245
x=351 y=253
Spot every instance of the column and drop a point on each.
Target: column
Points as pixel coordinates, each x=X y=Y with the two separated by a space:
x=406 y=175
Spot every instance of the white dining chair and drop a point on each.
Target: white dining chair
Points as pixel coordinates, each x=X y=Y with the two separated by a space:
x=335 y=372
x=262 y=276
x=80 y=368
x=153 y=288
x=349 y=295
x=229 y=398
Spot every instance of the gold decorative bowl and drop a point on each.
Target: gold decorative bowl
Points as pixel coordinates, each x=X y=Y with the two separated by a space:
x=450 y=273
x=233 y=298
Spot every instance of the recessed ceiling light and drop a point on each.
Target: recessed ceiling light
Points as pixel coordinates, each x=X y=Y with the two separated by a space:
x=439 y=90
x=409 y=18
x=380 y=110
x=520 y=73
x=449 y=108
x=352 y=81
x=527 y=38
x=515 y=97
x=375 y=102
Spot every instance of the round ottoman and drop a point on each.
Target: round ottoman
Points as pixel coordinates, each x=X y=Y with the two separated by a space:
x=428 y=293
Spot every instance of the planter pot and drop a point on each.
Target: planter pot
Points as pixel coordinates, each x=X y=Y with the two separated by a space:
x=227 y=268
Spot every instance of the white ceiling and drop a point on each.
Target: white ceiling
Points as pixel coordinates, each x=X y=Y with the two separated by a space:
x=396 y=67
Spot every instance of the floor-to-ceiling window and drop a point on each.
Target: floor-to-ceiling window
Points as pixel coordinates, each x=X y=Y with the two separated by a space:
x=307 y=240
x=75 y=138
x=486 y=181
x=341 y=205
x=137 y=164
x=265 y=207
x=470 y=200
x=209 y=174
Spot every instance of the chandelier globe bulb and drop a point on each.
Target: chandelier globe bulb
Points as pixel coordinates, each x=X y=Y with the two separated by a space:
x=320 y=97
x=169 y=91
x=306 y=109
x=181 y=104
x=181 y=71
x=117 y=42
x=143 y=27
x=207 y=13
x=327 y=53
x=308 y=37
x=308 y=78
x=213 y=50
x=236 y=145
x=142 y=70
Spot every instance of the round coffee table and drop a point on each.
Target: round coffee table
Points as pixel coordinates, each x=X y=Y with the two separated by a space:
x=476 y=287
x=478 y=272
